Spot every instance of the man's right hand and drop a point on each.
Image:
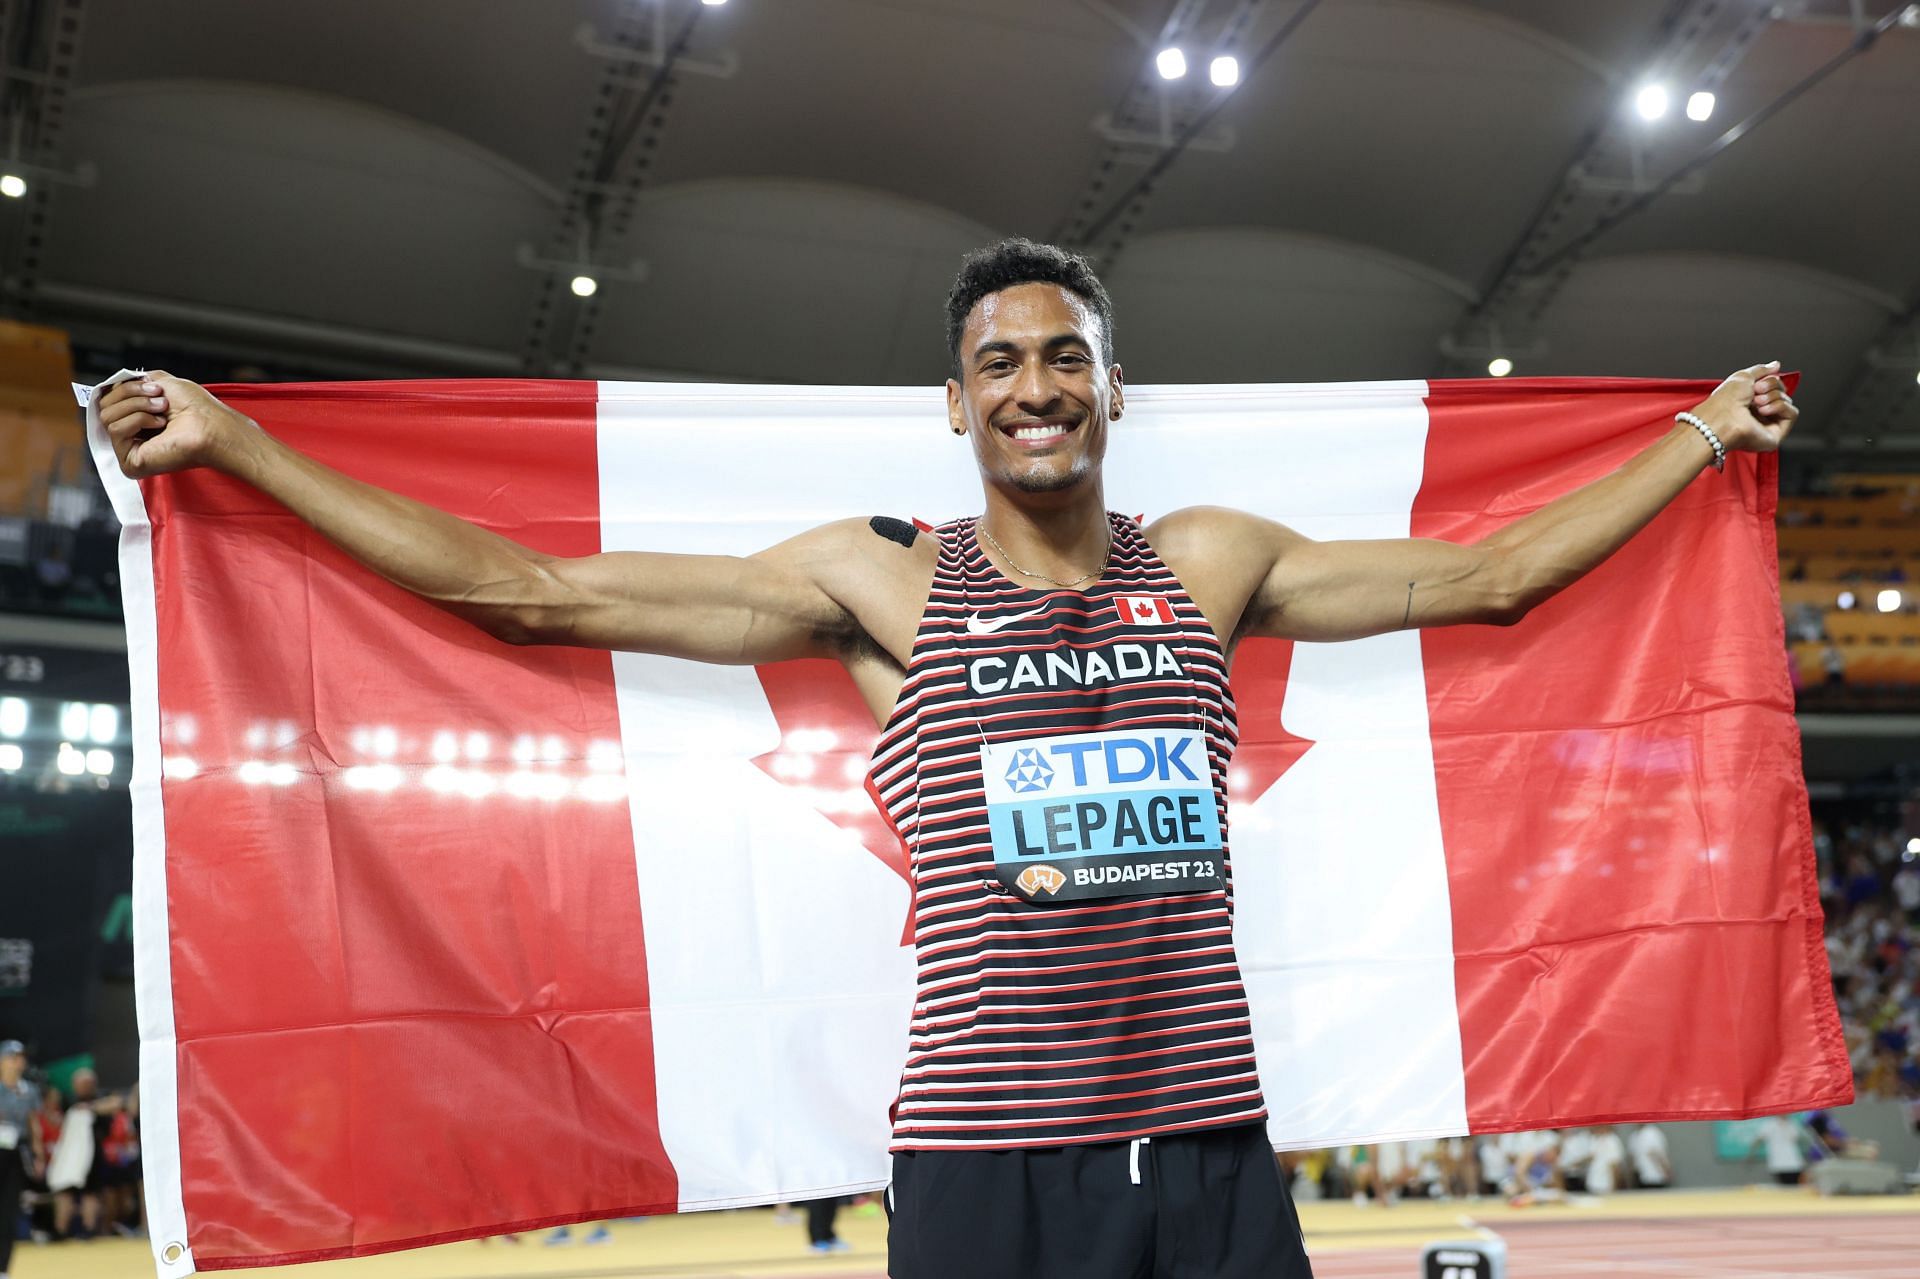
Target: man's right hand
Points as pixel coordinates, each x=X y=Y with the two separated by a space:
x=162 y=423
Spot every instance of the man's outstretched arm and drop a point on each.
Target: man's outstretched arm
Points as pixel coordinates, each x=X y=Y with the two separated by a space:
x=716 y=608
x=1297 y=588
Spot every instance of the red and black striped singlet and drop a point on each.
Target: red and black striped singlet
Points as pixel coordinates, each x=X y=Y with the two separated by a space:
x=1061 y=1020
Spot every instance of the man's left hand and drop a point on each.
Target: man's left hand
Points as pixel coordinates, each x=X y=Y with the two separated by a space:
x=1751 y=409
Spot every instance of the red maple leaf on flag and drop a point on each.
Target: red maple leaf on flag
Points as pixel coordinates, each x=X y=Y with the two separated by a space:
x=827 y=737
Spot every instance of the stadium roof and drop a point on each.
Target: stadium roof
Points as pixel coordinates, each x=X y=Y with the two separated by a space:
x=1388 y=192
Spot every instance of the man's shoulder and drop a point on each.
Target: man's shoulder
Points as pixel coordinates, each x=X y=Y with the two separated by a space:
x=1202 y=523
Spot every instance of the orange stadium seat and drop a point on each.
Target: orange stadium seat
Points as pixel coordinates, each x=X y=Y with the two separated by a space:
x=1877 y=481
x=1823 y=594
x=1847 y=568
x=1854 y=626
x=1864 y=540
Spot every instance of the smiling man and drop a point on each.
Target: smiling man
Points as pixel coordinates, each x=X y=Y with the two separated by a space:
x=1080 y=1095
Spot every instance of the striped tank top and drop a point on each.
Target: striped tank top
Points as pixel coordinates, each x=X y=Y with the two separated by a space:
x=1056 y=766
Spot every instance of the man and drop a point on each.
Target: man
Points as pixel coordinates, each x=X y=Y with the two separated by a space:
x=1786 y=1144
x=1079 y=1096
x=19 y=1141
x=1607 y=1165
x=1652 y=1169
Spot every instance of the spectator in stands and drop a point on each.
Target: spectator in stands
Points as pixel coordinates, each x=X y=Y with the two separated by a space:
x=76 y=1168
x=120 y=1175
x=821 y=1236
x=1652 y=1168
x=46 y=1125
x=1606 y=1161
x=1785 y=1144
x=1863 y=882
x=1576 y=1153
x=1458 y=1167
x=18 y=1102
x=1906 y=890
x=1496 y=1167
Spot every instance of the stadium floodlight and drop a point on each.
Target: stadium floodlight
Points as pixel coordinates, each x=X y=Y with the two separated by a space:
x=1171 y=62
x=73 y=721
x=1224 y=71
x=70 y=761
x=1499 y=366
x=103 y=722
x=1916 y=375
x=1846 y=600
x=13 y=716
x=99 y=762
x=1652 y=101
x=12 y=185
x=1700 y=106
x=585 y=286
x=1913 y=848
x=11 y=757
x=1888 y=600
x=713 y=4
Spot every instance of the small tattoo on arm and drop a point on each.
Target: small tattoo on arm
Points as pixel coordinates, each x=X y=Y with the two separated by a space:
x=1408 y=615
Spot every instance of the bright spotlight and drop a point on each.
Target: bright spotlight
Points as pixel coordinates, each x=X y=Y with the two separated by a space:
x=12 y=185
x=713 y=4
x=13 y=716
x=1888 y=601
x=1499 y=366
x=1172 y=63
x=585 y=286
x=1846 y=600
x=103 y=722
x=73 y=720
x=1224 y=71
x=1916 y=375
x=1651 y=102
x=99 y=762
x=1700 y=105
x=70 y=761
x=1913 y=848
x=11 y=757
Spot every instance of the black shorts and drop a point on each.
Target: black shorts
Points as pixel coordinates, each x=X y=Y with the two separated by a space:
x=1207 y=1205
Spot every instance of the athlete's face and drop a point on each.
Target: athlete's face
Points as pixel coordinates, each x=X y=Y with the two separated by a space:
x=1034 y=392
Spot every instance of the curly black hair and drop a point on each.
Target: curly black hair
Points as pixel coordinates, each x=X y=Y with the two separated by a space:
x=1021 y=261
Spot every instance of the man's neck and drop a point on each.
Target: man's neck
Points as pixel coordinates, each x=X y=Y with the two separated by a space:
x=1062 y=536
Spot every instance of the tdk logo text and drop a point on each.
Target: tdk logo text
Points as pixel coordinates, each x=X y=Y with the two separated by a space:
x=1070 y=765
x=1028 y=772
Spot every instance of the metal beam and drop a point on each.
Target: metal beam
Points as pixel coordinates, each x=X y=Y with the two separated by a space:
x=115 y=319
x=1107 y=234
x=1882 y=400
x=1532 y=274
x=40 y=46
x=617 y=149
x=1516 y=290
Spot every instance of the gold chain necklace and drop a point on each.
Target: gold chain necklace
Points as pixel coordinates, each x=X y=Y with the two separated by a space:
x=1042 y=577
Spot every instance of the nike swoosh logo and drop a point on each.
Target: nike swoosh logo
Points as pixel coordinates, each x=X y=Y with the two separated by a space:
x=976 y=625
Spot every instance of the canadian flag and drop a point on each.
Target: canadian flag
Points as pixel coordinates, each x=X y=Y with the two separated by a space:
x=1143 y=610
x=438 y=937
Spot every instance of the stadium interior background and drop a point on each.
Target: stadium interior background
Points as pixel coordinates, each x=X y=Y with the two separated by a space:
x=780 y=191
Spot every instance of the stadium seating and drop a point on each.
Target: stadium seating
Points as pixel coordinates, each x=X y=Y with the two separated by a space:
x=1841 y=553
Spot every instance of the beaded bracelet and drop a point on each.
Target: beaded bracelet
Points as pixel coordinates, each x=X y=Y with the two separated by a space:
x=1719 y=449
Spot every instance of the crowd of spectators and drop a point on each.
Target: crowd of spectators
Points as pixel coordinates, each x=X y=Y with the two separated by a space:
x=69 y=1160
x=1870 y=890
x=1520 y=1167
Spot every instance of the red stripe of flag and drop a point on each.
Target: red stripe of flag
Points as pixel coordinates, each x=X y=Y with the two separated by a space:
x=379 y=1051
x=1636 y=919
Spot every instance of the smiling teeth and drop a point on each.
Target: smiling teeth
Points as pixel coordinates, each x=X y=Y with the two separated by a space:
x=1037 y=432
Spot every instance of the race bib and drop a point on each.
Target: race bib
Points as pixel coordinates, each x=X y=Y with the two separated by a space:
x=1115 y=814
x=9 y=1136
